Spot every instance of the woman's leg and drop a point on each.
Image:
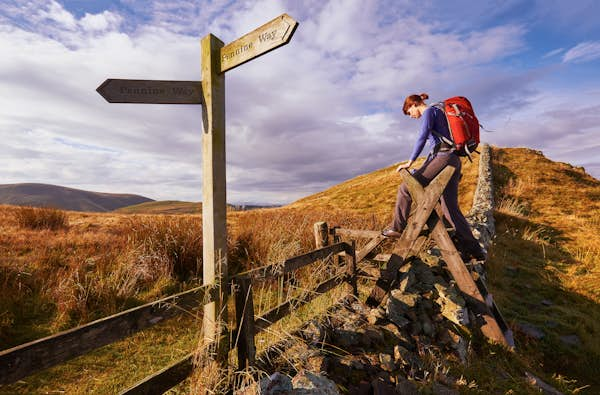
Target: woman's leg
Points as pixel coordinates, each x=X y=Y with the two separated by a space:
x=401 y=209
x=466 y=242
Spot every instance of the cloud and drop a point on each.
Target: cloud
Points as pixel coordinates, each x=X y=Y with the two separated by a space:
x=552 y=53
x=320 y=110
x=583 y=52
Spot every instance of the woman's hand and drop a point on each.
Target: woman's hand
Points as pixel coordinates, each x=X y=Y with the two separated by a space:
x=406 y=165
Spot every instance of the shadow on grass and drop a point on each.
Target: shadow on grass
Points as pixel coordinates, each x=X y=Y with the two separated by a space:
x=555 y=328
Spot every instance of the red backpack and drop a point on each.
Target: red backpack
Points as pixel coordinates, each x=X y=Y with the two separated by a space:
x=462 y=123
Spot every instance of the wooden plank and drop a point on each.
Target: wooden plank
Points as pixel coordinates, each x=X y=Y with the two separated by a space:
x=367 y=234
x=266 y=38
x=163 y=380
x=305 y=259
x=23 y=360
x=116 y=90
x=463 y=278
x=371 y=245
x=382 y=257
x=294 y=263
x=244 y=312
x=214 y=210
x=280 y=311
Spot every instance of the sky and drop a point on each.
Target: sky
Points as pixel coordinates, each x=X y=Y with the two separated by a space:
x=322 y=109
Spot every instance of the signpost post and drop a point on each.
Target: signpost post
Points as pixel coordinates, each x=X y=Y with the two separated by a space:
x=217 y=58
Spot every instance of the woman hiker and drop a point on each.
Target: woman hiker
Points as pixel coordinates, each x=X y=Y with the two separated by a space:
x=441 y=155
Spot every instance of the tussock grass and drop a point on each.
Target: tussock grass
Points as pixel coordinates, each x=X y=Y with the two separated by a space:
x=41 y=218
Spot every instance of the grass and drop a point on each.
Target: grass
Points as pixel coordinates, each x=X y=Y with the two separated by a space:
x=41 y=218
x=546 y=248
x=548 y=236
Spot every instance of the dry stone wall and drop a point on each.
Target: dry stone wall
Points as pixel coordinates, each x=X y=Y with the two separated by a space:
x=481 y=215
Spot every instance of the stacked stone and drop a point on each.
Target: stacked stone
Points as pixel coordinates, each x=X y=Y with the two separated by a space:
x=481 y=215
x=391 y=349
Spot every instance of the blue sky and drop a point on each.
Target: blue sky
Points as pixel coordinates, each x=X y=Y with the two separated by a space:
x=322 y=109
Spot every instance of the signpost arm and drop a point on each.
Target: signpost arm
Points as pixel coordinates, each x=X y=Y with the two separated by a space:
x=214 y=211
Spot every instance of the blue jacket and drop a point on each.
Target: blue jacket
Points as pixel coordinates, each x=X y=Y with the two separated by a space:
x=432 y=118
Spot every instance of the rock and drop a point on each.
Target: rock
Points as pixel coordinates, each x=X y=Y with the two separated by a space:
x=440 y=389
x=399 y=304
x=530 y=330
x=315 y=333
x=376 y=316
x=317 y=363
x=424 y=275
x=426 y=325
x=546 y=302
x=452 y=305
x=571 y=340
x=406 y=387
x=346 y=339
x=407 y=282
x=375 y=335
x=359 y=308
x=309 y=383
x=382 y=388
x=386 y=362
x=276 y=384
x=405 y=357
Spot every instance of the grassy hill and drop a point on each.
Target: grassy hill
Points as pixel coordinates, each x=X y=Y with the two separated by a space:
x=375 y=192
x=45 y=195
x=543 y=270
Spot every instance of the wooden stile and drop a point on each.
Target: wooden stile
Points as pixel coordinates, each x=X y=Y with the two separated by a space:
x=456 y=266
x=407 y=245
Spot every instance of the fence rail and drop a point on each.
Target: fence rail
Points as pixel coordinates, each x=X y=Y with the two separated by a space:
x=29 y=358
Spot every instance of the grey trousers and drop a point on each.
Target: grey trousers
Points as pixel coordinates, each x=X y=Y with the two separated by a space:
x=431 y=168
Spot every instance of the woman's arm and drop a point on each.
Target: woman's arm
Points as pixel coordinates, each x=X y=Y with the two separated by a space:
x=426 y=127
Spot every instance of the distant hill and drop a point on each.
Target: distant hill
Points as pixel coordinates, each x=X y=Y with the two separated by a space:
x=45 y=195
x=163 y=207
x=179 y=207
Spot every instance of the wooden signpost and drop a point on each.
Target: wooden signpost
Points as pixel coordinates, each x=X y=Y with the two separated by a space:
x=151 y=92
x=217 y=58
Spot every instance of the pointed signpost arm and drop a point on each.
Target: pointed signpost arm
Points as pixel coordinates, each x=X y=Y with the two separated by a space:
x=261 y=40
x=214 y=232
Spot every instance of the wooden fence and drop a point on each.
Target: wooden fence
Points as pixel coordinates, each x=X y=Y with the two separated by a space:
x=32 y=357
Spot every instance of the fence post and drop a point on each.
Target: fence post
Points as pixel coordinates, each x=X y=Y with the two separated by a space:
x=321 y=234
x=244 y=314
x=351 y=267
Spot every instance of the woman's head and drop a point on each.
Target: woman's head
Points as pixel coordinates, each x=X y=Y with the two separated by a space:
x=413 y=105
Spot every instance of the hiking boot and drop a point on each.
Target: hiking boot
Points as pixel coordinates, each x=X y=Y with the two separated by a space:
x=390 y=233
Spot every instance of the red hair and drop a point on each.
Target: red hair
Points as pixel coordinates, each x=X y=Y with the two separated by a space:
x=414 y=100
